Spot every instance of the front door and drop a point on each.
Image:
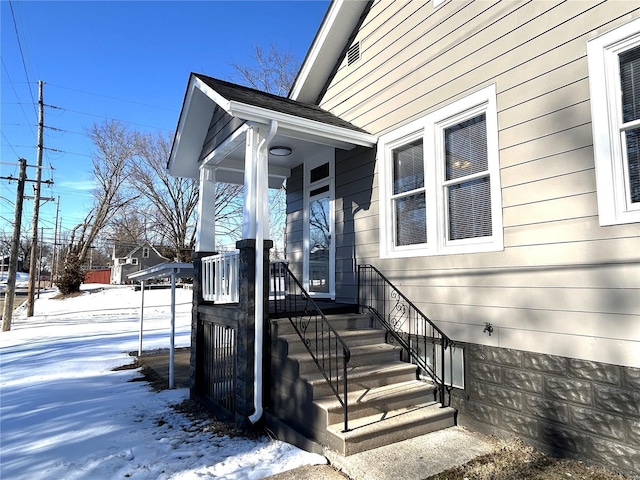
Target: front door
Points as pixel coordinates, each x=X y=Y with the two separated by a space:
x=319 y=268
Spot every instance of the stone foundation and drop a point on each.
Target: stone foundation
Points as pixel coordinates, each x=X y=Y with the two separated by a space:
x=564 y=406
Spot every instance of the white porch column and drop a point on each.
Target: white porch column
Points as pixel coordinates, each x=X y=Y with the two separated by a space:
x=206 y=235
x=249 y=214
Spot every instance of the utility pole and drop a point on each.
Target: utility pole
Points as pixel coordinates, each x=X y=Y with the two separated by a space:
x=36 y=205
x=54 y=268
x=13 y=254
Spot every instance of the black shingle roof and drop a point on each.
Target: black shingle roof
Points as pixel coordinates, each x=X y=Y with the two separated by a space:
x=250 y=96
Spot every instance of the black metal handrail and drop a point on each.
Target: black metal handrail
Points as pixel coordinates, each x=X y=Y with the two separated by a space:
x=407 y=325
x=328 y=350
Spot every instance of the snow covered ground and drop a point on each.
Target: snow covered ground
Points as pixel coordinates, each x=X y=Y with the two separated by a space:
x=66 y=414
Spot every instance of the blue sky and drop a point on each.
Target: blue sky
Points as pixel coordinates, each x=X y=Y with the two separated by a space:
x=123 y=60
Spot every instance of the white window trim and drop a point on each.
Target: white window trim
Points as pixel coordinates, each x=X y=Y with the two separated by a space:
x=431 y=127
x=604 y=83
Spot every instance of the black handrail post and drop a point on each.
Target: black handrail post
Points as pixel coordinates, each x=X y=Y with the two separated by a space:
x=346 y=396
x=358 y=286
x=443 y=342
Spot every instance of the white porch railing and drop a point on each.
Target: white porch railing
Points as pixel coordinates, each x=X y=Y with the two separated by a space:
x=220 y=277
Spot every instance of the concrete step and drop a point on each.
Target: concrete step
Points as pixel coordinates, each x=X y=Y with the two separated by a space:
x=386 y=401
x=365 y=377
x=345 y=321
x=291 y=343
x=375 y=431
x=377 y=401
x=313 y=385
x=377 y=354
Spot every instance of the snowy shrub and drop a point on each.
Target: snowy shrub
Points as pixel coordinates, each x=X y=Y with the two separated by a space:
x=72 y=275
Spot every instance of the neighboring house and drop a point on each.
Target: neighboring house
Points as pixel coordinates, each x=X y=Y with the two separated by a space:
x=129 y=258
x=485 y=158
x=6 y=260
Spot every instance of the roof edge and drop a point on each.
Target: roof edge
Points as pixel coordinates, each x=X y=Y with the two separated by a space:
x=326 y=49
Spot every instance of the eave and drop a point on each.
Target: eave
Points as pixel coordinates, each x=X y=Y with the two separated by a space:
x=197 y=111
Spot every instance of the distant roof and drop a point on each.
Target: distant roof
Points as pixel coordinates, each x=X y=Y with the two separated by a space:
x=123 y=250
x=250 y=96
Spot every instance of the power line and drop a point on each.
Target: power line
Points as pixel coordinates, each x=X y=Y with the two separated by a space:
x=16 y=94
x=24 y=64
x=108 y=118
x=110 y=97
x=8 y=143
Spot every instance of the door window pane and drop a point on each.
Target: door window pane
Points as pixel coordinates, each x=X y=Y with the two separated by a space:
x=319 y=244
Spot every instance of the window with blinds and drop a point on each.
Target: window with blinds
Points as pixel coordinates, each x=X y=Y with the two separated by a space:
x=408 y=194
x=630 y=86
x=467 y=183
x=440 y=182
x=614 y=84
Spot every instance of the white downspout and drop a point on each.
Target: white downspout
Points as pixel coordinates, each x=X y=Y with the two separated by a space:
x=262 y=216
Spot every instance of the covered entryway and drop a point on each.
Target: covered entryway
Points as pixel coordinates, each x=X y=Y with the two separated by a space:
x=236 y=135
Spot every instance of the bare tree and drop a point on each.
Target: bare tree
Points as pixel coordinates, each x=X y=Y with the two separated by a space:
x=172 y=202
x=115 y=146
x=273 y=71
x=269 y=70
x=131 y=225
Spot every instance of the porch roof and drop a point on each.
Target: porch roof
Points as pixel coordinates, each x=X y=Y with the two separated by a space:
x=251 y=97
x=164 y=270
x=304 y=126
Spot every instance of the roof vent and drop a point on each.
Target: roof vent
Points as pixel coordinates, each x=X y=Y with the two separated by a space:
x=353 y=54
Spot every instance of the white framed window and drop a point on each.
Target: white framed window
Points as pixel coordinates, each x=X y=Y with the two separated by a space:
x=134 y=261
x=145 y=252
x=614 y=80
x=440 y=182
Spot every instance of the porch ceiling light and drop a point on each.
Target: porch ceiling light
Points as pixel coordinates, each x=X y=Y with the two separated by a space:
x=280 y=151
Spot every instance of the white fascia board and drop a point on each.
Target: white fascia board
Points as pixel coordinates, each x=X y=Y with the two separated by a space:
x=212 y=94
x=327 y=48
x=316 y=48
x=343 y=137
x=192 y=130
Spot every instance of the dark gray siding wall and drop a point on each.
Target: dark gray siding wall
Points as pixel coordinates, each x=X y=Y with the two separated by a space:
x=221 y=126
x=354 y=189
x=294 y=232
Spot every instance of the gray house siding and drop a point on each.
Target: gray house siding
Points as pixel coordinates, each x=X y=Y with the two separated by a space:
x=354 y=188
x=563 y=285
x=294 y=227
x=561 y=368
x=222 y=125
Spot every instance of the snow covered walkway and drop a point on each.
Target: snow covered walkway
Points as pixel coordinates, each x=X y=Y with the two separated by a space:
x=66 y=414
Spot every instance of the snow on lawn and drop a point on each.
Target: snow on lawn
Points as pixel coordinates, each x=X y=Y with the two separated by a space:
x=66 y=414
